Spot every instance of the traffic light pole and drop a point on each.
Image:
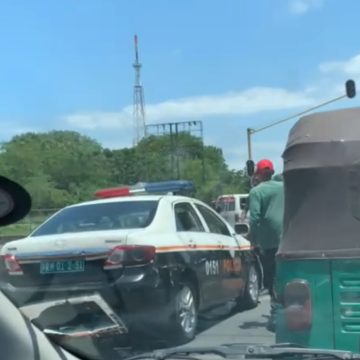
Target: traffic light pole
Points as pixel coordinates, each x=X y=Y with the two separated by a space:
x=249 y=133
x=350 y=93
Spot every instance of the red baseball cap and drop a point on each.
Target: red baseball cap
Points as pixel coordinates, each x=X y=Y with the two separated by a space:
x=264 y=164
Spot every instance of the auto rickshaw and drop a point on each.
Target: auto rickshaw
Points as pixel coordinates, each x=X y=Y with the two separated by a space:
x=318 y=262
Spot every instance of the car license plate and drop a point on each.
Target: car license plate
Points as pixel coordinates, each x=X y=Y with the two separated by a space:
x=62 y=266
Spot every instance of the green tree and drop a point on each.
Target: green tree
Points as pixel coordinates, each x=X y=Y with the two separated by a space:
x=64 y=167
x=59 y=167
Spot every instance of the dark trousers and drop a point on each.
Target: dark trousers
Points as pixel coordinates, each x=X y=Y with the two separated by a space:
x=269 y=265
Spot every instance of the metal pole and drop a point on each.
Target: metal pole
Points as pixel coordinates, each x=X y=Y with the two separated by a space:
x=177 y=151
x=202 y=150
x=249 y=133
x=171 y=149
x=298 y=114
x=253 y=131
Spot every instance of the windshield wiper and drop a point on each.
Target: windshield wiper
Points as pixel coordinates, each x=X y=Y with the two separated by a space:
x=247 y=351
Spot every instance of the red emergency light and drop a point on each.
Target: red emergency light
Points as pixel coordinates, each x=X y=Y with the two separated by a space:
x=112 y=192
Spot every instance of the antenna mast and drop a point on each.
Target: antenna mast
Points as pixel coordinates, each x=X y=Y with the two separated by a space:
x=139 y=103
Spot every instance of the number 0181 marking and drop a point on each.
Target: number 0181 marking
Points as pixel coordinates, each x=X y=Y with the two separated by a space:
x=212 y=267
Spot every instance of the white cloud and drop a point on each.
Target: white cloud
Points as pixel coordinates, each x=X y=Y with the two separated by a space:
x=98 y=119
x=300 y=7
x=350 y=67
x=255 y=100
x=248 y=102
x=251 y=101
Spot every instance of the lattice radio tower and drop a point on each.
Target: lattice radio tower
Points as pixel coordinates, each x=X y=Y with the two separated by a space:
x=139 y=103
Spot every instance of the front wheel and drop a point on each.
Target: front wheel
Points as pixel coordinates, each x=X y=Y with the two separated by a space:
x=250 y=298
x=183 y=322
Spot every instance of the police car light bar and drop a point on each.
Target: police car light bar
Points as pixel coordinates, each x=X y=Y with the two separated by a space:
x=173 y=186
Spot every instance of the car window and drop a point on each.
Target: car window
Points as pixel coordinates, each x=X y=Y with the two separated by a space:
x=243 y=203
x=215 y=224
x=186 y=218
x=106 y=216
x=231 y=204
x=227 y=204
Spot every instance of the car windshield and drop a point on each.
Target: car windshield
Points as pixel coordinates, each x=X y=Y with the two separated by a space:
x=98 y=217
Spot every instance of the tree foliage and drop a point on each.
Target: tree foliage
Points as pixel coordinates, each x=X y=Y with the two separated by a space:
x=63 y=167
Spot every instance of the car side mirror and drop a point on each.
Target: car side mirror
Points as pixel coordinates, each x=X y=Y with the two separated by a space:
x=250 y=167
x=242 y=229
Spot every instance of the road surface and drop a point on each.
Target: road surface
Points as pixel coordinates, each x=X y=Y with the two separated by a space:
x=220 y=326
x=247 y=326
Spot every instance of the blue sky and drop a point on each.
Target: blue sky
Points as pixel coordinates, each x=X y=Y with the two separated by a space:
x=231 y=63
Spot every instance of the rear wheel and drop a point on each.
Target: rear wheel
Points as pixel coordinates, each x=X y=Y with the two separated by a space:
x=250 y=298
x=183 y=322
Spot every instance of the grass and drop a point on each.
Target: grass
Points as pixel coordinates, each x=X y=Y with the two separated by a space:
x=16 y=230
x=22 y=228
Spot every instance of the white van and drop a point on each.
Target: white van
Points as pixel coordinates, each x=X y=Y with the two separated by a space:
x=234 y=208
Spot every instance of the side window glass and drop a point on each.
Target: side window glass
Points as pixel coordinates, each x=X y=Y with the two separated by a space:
x=186 y=218
x=231 y=204
x=243 y=203
x=214 y=223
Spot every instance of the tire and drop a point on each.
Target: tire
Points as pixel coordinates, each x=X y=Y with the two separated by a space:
x=250 y=299
x=183 y=321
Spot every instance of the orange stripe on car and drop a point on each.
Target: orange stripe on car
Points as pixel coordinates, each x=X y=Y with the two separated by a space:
x=199 y=248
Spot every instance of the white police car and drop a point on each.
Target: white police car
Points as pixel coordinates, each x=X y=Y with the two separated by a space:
x=151 y=259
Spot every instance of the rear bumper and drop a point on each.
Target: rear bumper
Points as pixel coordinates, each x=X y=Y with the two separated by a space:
x=139 y=294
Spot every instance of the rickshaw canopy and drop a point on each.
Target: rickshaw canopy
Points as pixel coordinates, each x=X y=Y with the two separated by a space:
x=322 y=187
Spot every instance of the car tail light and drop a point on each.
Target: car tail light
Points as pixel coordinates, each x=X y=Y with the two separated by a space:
x=297 y=305
x=12 y=265
x=127 y=255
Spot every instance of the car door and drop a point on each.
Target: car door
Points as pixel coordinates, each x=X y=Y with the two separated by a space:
x=201 y=251
x=228 y=256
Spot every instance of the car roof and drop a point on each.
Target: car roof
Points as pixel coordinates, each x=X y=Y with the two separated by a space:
x=144 y=197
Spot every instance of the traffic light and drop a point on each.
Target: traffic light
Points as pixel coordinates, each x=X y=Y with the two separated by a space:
x=350 y=89
x=250 y=167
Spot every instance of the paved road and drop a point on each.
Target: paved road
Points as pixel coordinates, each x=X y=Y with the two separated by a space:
x=222 y=326
x=247 y=326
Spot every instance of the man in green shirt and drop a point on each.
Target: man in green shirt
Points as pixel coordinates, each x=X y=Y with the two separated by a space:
x=266 y=205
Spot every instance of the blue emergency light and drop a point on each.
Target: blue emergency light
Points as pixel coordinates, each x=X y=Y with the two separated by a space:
x=162 y=187
x=169 y=186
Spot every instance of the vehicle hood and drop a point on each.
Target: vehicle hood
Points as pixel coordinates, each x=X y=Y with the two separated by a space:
x=92 y=242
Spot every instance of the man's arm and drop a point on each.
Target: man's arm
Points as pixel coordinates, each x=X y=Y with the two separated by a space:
x=255 y=215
